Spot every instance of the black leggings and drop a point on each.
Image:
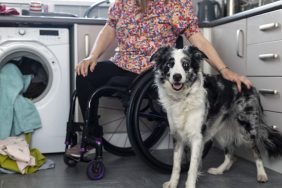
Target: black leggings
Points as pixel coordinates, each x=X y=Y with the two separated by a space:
x=85 y=86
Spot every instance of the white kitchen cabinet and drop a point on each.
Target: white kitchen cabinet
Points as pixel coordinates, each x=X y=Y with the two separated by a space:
x=230 y=42
x=252 y=47
x=264 y=68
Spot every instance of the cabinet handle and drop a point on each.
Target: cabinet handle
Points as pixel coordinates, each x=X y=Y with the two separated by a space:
x=269 y=26
x=240 y=33
x=268 y=91
x=86 y=43
x=268 y=56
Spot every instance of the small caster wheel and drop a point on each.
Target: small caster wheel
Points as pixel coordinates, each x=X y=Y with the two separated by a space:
x=70 y=161
x=95 y=170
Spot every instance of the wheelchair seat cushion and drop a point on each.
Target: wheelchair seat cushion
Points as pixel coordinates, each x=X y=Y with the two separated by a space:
x=121 y=81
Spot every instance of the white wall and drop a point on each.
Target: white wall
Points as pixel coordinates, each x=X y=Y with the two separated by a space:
x=76 y=7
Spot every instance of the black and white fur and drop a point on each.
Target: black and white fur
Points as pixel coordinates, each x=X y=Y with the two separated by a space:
x=203 y=107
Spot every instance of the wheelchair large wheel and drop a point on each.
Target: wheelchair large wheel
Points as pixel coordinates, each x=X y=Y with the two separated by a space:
x=148 y=128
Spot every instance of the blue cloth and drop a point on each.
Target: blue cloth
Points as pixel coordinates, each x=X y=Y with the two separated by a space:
x=17 y=114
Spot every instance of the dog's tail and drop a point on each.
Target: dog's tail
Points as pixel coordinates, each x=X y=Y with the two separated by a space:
x=271 y=140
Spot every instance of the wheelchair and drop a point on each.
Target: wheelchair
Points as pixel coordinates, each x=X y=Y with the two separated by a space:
x=141 y=125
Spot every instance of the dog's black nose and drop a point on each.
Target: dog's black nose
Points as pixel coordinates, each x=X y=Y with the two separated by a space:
x=177 y=77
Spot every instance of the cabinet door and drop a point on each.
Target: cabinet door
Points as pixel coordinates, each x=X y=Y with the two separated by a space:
x=84 y=38
x=230 y=42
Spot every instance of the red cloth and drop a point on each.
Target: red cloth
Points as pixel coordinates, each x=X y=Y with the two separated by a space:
x=8 y=11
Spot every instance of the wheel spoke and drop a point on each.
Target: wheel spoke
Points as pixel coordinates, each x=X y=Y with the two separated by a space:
x=119 y=125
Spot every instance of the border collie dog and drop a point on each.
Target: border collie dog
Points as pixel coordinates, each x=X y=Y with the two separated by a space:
x=203 y=107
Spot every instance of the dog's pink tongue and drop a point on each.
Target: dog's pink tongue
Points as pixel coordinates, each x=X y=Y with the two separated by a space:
x=177 y=86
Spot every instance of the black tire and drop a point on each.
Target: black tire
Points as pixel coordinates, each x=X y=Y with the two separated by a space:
x=153 y=153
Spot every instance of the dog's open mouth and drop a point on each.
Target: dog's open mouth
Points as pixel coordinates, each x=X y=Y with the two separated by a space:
x=177 y=86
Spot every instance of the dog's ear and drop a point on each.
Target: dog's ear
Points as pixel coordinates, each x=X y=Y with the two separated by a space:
x=196 y=54
x=159 y=53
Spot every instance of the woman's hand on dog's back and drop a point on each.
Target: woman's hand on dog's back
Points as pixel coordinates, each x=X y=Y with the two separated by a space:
x=83 y=66
x=238 y=79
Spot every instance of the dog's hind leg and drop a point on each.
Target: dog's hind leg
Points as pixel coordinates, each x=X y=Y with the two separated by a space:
x=229 y=159
x=261 y=174
x=177 y=158
x=250 y=118
x=196 y=156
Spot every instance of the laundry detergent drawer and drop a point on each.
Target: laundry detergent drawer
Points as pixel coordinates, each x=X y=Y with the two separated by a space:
x=264 y=59
x=270 y=89
x=264 y=27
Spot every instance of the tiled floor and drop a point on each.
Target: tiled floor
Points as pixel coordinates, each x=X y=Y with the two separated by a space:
x=130 y=172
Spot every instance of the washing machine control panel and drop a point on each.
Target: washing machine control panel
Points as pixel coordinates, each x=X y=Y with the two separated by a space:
x=47 y=36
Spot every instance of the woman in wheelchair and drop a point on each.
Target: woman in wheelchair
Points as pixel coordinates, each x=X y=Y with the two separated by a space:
x=140 y=27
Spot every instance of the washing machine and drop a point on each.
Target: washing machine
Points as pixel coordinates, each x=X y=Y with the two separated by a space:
x=44 y=53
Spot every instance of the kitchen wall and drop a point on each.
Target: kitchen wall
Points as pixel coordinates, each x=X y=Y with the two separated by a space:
x=72 y=7
x=68 y=7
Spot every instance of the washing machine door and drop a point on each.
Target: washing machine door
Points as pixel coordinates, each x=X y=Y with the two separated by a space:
x=34 y=59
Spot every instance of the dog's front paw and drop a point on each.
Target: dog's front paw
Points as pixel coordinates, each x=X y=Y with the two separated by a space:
x=262 y=178
x=215 y=171
x=168 y=185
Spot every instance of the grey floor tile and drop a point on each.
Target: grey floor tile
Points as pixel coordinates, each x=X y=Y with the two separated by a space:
x=130 y=172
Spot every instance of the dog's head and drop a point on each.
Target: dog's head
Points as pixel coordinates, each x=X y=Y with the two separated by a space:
x=177 y=69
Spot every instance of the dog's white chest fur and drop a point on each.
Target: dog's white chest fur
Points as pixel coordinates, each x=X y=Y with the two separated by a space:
x=185 y=114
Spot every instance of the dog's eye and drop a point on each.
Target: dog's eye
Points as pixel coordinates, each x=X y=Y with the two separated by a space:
x=170 y=63
x=185 y=65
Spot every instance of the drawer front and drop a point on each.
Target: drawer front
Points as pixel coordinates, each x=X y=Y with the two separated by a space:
x=274 y=119
x=271 y=102
x=265 y=27
x=265 y=59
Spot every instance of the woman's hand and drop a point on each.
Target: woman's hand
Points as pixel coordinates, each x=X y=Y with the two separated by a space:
x=238 y=79
x=83 y=66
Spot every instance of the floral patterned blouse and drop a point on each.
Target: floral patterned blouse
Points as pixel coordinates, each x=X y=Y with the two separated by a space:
x=139 y=35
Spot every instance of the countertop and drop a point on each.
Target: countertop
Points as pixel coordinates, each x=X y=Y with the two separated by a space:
x=245 y=14
x=42 y=21
x=50 y=21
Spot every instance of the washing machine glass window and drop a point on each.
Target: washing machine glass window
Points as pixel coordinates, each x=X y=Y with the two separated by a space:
x=32 y=63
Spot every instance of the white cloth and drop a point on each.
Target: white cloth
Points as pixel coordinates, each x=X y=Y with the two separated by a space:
x=17 y=149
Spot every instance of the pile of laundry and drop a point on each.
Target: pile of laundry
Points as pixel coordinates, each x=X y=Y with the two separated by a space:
x=18 y=119
x=15 y=156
